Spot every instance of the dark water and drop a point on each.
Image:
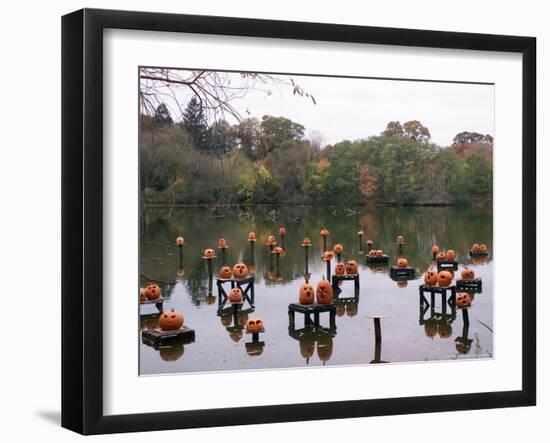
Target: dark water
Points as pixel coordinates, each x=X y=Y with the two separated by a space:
x=408 y=334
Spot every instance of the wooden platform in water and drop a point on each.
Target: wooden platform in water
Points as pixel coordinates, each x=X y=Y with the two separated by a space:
x=156 y=336
x=432 y=290
x=377 y=258
x=470 y=284
x=478 y=254
x=445 y=265
x=315 y=309
x=407 y=273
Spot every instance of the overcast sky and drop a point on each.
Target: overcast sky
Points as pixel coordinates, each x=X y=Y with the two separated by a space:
x=357 y=108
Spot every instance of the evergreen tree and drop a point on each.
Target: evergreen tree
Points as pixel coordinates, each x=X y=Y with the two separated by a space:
x=162 y=116
x=194 y=122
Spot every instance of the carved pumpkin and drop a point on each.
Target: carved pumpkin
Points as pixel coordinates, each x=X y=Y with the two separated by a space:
x=225 y=272
x=370 y=243
x=282 y=231
x=360 y=233
x=170 y=321
x=307 y=294
x=444 y=279
x=270 y=241
x=180 y=241
x=222 y=243
x=324 y=348
x=483 y=248
x=306 y=242
x=209 y=253
x=152 y=292
x=372 y=252
x=180 y=272
x=338 y=248
x=444 y=330
x=325 y=232
x=307 y=347
x=450 y=254
x=328 y=255
x=402 y=283
x=235 y=295
x=468 y=274
x=402 y=263
x=379 y=252
x=400 y=240
x=240 y=270
x=277 y=250
x=430 y=277
x=254 y=325
x=340 y=269
x=475 y=247
x=251 y=236
x=351 y=267
x=324 y=292
x=142 y=294
x=463 y=300
x=171 y=353
x=435 y=249
x=441 y=256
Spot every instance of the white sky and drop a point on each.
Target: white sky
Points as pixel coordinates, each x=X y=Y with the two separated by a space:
x=357 y=108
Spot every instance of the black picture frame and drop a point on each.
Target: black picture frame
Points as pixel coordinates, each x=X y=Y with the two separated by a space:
x=82 y=218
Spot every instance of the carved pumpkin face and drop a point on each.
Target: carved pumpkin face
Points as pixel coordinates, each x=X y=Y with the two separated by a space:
x=483 y=248
x=400 y=240
x=142 y=294
x=369 y=243
x=306 y=242
x=222 y=243
x=251 y=236
x=463 y=300
x=171 y=353
x=180 y=241
x=338 y=248
x=235 y=295
x=372 y=252
x=340 y=269
x=444 y=330
x=379 y=252
x=450 y=254
x=351 y=267
x=441 y=256
x=402 y=284
x=225 y=272
x=270 y=240
x=402 y=263
x=468 y=274
x=307 y=347
x=430 y=277
x=240 y=270
x=324 y=348
x=475 y=247
x=152 y=292
x=444 y=279
x=282 y=231
x=277 y=250
x=170 y=321
x=435 y=249
x=324 y=292
x=328 y=256
x=254 y=325
x=209 y=253
x=307 y=294
x=325 y=232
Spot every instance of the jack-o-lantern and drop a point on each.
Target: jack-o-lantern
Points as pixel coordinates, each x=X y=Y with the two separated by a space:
x=352 y=309
x=475 y=247
x=360 y=233
x=180 y=241
x=402 y=284
x=400 y=240
x=468 y=274
x=325 y=232
x=351 y=267
x=209 y=253
x=271 y=240
x=142 y=294
x=379 y=252
x=152 y=292
x=463 y=300
x=307 y=294
x=170 y=321
x=340 y=269
x=444 y=279
x=441 y=256
x=171 y=353
x=324 y=292
x=369 y=243
x=306 y=242
x=254 y=325
x=225 y=272
x=402 y=263
x=444 y=330
x=483 y=248
x=324 y=348
x=277 y=250
x=282 y=231
x=328 y=255
x=450 y=254
x=435 y=249
x=372 y=252
x=180 y=272
x=338 y=248
x=240 y=270
x=430 y=277
x=222 y=243
x=307 y=347
x=235 y=295
x=251 y=236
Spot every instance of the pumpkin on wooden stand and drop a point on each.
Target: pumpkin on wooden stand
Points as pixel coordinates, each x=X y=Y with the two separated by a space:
x=475 y=248
x=483 y=248
x=152 y=292
x=430 y=277
x=463 y=300
x=235 y=295
x=170 y=321
x=307 y=294
x=251 y=236
x=400 y=240
x=444 y=279
x=306 y=242
x=209 y=253
x=180 y=241
x=225 y=272
x=324 y=292
x=340 y=269
x=325 y=232
x=450 y=254
x=222 y=243
x=402 y=263
x=338 y=248
x=468 y=274
x=271 y=240
x=441 y=256
x=240 y=270
x=254 y=325
x=435 y=249
x=351 y=267
x=328 y=255
x=142 y=294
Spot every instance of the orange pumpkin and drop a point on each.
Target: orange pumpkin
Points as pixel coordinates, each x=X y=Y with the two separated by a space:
x=351 y=267
x=324 y=292
x=152 y=292
x=430 y=277
x=180 y=241
x=222 y=243
x=435 y=249
x=251 y=236
x=307 y=294
x=324 y=348
x=483 y=248
x=360 y=233
x=270 y=240
x=444 y=279
x=338 y=248
x=254 y=325
x=402 y=263
x=209 y=253
x=400 y=240
x=282 y=231
x=142 y=294
x=441 y=256
x=225 y=272
x=277 y=250
x=325 y=232
x=475 y=247
x=240 y=270
x=379 y=252
x=170 y=321
x=328 y=256
x=306 y=242
x=450 y=254
x=340 y=269
x=468 y=274
x=235 y=295
x=463 y=300
x=372 y=252
x=370 y=242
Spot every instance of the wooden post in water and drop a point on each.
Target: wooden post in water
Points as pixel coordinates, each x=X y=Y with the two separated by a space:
x=377 y=331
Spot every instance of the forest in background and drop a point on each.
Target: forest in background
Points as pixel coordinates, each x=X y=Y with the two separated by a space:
x=271 y=161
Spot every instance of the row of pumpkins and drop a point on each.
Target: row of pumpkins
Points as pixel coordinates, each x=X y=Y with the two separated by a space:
x=444 y=279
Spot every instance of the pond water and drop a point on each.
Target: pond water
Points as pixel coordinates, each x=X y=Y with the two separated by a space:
x=409 y=334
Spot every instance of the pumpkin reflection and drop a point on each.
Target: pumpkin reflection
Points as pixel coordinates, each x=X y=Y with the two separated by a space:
x=255 y=349
x=171 y=353
x=352 y=309
x=444 y=330
x=324 y=348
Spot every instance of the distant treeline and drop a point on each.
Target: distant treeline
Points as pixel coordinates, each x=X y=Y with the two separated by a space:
x=270 y=161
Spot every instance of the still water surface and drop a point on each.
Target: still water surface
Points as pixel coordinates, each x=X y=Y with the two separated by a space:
x=408 y=334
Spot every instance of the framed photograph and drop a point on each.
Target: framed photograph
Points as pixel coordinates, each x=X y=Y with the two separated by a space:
x=270 y=221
